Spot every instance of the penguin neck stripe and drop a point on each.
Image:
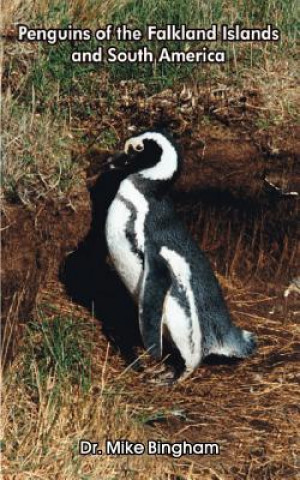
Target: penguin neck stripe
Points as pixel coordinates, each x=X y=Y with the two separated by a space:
x=168 y=164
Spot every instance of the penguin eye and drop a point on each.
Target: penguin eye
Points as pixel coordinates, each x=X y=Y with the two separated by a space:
x=139 y=147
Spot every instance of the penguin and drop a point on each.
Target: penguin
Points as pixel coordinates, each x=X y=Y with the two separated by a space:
x=161 y=265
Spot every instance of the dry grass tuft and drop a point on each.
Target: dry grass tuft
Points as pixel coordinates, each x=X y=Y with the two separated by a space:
x=37 y=161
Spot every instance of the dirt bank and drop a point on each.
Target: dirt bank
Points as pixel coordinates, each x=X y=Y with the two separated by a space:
x=33 y=246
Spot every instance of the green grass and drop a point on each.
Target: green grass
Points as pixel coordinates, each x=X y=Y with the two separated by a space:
x=54 y=63
x=46 y=95
x=56 y=349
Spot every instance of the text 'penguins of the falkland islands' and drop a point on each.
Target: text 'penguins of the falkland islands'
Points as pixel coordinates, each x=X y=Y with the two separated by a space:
x=161 y=265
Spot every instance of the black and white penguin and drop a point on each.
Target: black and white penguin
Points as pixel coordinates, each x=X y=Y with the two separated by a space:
x=161 y=265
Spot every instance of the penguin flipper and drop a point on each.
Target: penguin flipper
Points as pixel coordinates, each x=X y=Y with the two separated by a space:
x=155 y=285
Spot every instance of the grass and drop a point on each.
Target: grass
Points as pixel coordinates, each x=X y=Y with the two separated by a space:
x=47 y=407
x=37 y=162
x=45 y=96
x=53 y=397
x=56 y=352
x=55 y=60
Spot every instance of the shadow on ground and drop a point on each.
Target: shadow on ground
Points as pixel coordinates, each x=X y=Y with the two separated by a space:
x=91 y=281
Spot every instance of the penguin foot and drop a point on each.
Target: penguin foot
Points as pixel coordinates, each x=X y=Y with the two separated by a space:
x=185 y=375
x=164 y=376
x=138 y=365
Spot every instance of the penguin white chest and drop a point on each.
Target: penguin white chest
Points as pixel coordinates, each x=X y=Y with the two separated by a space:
x=125 y=234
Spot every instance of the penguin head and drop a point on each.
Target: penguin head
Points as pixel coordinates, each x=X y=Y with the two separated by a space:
x=151 y=154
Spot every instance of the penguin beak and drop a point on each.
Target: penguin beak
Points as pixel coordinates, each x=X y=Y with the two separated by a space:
x=118 y=161
x=122 y=159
